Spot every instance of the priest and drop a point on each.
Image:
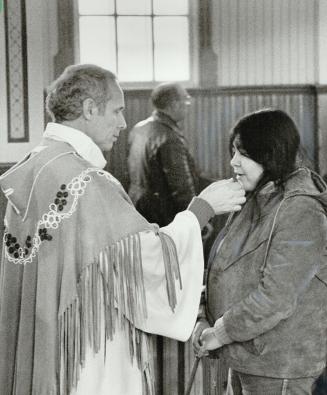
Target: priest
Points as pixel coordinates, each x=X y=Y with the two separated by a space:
x=84 y=278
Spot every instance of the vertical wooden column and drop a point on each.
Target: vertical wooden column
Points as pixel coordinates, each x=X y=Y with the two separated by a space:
x=17 y=74
x=321 y=56
x=66 y=50
x=21 y=77
x=213 y=371
x=208 y=58
x=322 y=130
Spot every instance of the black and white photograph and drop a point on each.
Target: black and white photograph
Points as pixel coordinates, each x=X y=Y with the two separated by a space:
x=163 y=197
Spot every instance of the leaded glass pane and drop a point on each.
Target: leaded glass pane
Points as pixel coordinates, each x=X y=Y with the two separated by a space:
x=170 y=7
x=171 y=56
x=134 y=7
x=96 y=7
x=134 y=49
x=97 y=41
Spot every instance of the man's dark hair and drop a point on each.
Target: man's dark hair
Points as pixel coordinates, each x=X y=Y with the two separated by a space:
x=164 y=94
x=66 y=95
x=270 y=138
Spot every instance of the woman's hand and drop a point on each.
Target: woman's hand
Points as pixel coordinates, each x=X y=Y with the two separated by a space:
x=209 y=340
x=197 y=331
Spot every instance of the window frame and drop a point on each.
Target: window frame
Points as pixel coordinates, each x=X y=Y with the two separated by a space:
x=194 y=50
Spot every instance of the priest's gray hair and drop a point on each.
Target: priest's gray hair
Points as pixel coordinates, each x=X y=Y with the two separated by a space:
x=66 y=94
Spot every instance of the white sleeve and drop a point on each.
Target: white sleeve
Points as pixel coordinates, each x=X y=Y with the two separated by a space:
x=116 y=374
x=186 y=234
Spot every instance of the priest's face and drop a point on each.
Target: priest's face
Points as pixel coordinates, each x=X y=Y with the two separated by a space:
x=108 y=123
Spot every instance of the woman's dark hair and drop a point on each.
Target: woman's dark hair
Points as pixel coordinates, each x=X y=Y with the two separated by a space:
x=270 y=138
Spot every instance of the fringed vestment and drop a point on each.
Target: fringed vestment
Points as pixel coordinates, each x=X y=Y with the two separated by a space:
x=84 y=278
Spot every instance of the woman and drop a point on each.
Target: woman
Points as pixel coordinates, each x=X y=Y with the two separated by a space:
x=265 y=302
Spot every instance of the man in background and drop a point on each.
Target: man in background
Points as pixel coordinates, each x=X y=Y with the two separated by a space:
x=163 y=181
x=163 y=176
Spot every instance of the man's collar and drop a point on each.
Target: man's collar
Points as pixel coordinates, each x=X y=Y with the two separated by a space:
x=167 y=120
x=82 y=143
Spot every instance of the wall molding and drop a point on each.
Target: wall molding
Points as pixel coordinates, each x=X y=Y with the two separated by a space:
x=253 y=89
x=16 y=70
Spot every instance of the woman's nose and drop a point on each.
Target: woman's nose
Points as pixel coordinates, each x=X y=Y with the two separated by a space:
x=235 y=161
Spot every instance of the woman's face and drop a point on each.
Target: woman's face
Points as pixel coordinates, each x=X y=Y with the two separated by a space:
x=247 y=171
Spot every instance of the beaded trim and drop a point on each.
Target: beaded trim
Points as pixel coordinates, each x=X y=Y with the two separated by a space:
x=52 y=219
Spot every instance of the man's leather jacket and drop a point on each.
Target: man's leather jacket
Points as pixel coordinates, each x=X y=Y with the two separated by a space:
x=163 y=177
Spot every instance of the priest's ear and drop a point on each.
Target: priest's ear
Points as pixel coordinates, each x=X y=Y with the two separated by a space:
x=89 y=108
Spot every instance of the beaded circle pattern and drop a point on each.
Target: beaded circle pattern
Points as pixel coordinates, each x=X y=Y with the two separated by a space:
x=23 y=254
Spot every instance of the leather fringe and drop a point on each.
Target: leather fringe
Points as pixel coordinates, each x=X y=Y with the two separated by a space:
x=171 y=267
x=111 y=292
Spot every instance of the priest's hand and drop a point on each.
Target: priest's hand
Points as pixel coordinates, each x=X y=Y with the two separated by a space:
x=224 y=196
x=200 y=326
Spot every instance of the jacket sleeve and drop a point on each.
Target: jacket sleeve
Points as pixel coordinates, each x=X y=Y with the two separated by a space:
x=295 y=256
x=178 y=172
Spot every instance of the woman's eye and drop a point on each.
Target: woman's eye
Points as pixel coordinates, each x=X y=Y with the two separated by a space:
x=243 y=153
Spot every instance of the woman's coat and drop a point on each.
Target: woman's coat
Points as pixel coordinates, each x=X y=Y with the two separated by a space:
x=268 y=280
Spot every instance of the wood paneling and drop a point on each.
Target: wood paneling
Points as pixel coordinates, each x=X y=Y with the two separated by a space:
x=212 y=115
x=16 y=56
x=265 y=42
x=21 y=103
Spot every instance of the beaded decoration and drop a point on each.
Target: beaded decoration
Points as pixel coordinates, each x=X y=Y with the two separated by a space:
x=22 y=254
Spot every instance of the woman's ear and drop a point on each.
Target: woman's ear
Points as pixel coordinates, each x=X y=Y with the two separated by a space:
x=89 y=108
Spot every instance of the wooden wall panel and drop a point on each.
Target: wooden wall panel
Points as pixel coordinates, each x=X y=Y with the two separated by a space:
x=16 y=56
x=137 y=108
x=21 y=77
x=265 y=42
x=210 y=119
x=212 y=114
